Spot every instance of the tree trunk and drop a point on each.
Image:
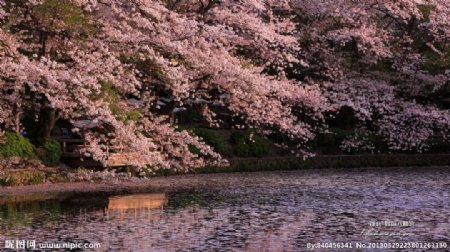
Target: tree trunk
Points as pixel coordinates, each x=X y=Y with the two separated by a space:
x=47 y=116
x=47 y=121
x=17 y=122
x=43 y=42
x=170 y=107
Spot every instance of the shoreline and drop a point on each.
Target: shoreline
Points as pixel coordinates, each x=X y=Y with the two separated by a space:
x=179 y=182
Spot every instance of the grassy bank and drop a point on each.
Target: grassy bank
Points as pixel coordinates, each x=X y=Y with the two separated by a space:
x=341 y=161
x=32 y=176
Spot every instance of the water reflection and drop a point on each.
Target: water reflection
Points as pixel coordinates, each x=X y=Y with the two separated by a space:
x=137 y=201
x=14 y=216
x=138 y=206
x=258 y=212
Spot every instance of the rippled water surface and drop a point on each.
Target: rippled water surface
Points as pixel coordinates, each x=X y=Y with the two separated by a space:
x=269 y=211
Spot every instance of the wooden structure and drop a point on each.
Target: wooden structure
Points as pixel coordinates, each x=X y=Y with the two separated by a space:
x=117 y=155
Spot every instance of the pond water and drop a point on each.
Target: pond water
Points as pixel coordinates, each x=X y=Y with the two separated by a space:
x=267 y=211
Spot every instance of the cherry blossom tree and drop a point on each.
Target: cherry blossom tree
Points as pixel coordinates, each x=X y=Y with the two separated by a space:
x=58 y=56
x=281 y=64
x=387 y=60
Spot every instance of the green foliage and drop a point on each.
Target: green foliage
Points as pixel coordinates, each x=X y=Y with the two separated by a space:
x=112 y=97
x=242 y=149
x=33 y=178
x=151 y=69
x=22 y=177
x=435 y=63
x=247 y=64
x=193 y=149
x=15 y=146
x=259 y=147
x=439 y=145
x=341 y=134
x=8 y=180
x=54 y=15
x=335 y=162
x=248 y=54
x=10 y=4
x=50 y=152
x=190 y=116
x=171 y=4
x=148 y=67
x=306 y=40
x=162 y=173
x=237 y=135
x=312 y=143
x=132 y=115
x=331 y=138
x=383 y=66
x=212 y=138
x=108 y=90
x=249 y=144
x=336 y=135
x=378 y=142
x=326 y=139
x=426 y=10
